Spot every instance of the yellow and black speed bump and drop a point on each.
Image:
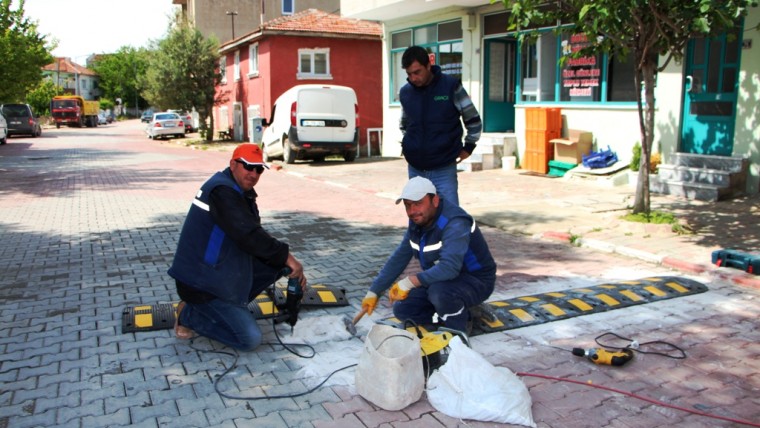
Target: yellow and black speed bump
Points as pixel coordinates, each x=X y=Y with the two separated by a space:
x=525 y=311
x=161 y=316
x=148 y=317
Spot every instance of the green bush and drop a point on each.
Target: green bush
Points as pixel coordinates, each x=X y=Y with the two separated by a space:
x=636 y=159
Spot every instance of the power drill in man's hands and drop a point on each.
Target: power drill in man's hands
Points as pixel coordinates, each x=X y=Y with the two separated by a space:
x=293 y=299
x=603 y=356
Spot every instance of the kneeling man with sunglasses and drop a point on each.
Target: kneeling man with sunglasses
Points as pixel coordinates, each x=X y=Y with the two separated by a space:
x=225 y=258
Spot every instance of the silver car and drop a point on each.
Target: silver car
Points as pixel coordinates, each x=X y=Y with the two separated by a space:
x=3 y=129
x=165 y=125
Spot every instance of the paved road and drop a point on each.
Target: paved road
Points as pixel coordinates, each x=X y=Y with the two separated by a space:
x=89 y=223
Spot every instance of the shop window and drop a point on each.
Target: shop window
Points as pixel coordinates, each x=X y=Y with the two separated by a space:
x=580 y=78
x=620 y=86
x=538 y=69
x=442 y=40
x=591 y=78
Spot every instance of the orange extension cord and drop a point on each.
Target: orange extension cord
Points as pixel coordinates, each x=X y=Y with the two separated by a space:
x=650 y=400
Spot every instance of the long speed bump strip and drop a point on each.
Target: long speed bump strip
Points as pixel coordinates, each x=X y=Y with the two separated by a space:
x=161 y=316
x=524 y=311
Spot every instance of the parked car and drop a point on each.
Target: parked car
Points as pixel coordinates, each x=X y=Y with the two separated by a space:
x=187 y=118
x=147 y=116
x=102 y=119
x=164 y=125
x=312 y=122
x=3 y=129
x=21 y=120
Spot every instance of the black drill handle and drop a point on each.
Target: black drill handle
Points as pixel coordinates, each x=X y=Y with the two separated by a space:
x=294 y=296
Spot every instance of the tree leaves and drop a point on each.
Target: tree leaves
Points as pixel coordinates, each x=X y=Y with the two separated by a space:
x=23 y=53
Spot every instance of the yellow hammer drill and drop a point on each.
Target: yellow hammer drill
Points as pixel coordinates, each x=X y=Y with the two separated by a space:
x=603 y=356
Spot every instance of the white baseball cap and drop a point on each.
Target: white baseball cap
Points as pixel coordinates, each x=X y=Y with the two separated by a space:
x=416 y=189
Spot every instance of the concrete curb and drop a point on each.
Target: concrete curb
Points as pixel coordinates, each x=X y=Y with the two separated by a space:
x=733 y=276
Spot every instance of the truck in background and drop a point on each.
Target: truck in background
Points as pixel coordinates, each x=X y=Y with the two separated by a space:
x=74 y=110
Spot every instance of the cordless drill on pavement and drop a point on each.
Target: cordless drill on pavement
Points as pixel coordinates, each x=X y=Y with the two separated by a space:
x=603 y=356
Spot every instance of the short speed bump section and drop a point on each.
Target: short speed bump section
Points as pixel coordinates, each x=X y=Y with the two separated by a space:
x=266 y=305
x=540 y=308
x=148 y=317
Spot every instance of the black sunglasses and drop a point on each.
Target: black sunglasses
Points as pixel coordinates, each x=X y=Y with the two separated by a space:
x=251 y=167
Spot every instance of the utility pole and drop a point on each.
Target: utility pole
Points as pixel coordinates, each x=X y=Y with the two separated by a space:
x=232 y=15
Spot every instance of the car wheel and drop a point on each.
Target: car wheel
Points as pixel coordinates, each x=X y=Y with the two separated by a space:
x=3 y=140
x=349 y=156
x=39 y=132
x=287 y=154
x=57 y=126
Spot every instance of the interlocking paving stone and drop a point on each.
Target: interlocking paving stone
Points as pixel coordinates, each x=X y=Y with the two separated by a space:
x=90 y=228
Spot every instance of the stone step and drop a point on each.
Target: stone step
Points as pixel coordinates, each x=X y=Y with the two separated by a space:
x=489 y=151
x=695 y=175
x=694 y=191
x=723 y=163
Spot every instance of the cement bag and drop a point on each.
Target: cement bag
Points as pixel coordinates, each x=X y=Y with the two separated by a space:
x=469 y=387
x=389 y=373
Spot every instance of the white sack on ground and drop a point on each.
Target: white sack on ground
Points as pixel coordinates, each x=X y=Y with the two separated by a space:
x=469 y=387
x=389 y=373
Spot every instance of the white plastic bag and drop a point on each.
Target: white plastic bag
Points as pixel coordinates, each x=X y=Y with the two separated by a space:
x=389 y=373
x=467 y=386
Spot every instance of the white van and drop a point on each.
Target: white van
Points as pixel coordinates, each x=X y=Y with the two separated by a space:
x=312 y=122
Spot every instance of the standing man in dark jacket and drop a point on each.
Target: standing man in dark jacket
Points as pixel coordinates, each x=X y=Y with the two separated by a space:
x=458 y=271
x=432 y=105
x=225 y=258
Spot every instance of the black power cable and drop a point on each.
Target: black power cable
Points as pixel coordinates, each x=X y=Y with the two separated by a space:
x=286 y=346
x=638 y=347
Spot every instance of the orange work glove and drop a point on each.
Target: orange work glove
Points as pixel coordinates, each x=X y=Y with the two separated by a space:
x=369 y=302
x=400 y=290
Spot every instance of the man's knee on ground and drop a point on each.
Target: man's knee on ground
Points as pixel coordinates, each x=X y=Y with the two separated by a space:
x=248 y=343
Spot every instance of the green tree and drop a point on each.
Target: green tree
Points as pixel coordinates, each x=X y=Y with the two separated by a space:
x=647 y=29
x=39 y=98
x=119 y=75
x=183 y=73
x=23 y=53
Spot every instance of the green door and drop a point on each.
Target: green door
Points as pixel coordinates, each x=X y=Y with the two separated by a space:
x=710 y=94
x=499 y=88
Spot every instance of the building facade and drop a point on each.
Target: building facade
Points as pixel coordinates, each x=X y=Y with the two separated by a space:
x=221 y=18
x=696 y=111
x=75 y=79
x=309 y=47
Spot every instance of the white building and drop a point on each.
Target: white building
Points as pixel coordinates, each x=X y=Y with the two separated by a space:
x=705 y=105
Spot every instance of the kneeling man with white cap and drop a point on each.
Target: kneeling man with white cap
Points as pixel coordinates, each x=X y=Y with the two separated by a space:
x=458 y=271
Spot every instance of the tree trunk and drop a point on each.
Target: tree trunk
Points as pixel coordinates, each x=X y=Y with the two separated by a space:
x=210 y=130
x=647 y=77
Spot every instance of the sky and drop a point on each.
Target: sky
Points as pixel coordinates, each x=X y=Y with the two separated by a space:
x=85 y=27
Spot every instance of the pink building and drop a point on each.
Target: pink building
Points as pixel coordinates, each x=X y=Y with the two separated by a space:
x=310 y=47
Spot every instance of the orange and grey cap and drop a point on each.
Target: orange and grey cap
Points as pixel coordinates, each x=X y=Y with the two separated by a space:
x=249 y=153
